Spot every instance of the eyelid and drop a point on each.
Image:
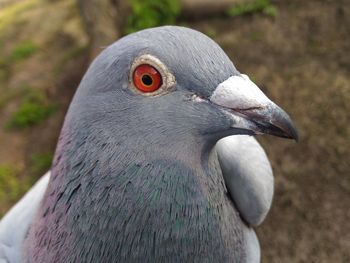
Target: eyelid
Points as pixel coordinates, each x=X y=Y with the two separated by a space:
x=168 y=79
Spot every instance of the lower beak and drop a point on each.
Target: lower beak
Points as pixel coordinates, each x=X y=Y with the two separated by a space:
x=250 y=109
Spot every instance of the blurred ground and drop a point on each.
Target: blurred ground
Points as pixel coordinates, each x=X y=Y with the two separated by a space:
x=299 y=57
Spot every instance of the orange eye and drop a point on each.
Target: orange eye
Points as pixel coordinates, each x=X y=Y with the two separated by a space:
x=146 y=78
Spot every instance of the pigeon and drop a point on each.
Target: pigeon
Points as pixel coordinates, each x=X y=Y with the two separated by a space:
x=156 y=160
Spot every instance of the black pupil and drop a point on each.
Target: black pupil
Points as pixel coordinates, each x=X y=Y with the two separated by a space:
x=147 y=80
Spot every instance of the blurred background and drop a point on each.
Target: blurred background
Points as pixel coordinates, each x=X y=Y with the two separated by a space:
x=298 y=52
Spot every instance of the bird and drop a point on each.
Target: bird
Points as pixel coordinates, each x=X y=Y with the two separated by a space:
x=156 y=160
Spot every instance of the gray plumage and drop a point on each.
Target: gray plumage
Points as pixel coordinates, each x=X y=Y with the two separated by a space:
x=137 y=178
x=251 y=186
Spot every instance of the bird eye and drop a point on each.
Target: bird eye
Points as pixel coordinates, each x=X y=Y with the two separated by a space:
x=147 y=78
x=150 y=77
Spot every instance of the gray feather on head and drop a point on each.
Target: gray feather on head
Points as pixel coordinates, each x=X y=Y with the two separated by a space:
x=135 y=177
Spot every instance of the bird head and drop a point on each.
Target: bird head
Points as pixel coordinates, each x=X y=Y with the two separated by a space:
x=171 y=85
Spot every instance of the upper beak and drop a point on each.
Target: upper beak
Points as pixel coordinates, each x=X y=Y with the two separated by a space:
x=251 y=110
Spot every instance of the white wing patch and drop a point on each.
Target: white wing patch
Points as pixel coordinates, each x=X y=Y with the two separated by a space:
x=16 y=223
x=252 y=245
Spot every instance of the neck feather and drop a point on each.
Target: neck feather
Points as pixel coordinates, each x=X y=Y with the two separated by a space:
x=107 y=200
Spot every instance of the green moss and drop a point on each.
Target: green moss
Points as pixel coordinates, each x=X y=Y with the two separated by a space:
x=40 y=163
x=211 y=32
x=270 y=10
x=34 y=109
x=12 y=186
x=23 y=51
x=151 y=13
x=253 y=78
x=11 y=12
x=256 y=6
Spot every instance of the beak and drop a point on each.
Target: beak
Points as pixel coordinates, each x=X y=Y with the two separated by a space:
x=250 y=109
